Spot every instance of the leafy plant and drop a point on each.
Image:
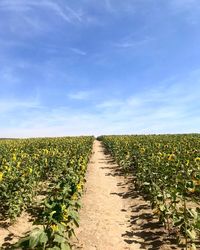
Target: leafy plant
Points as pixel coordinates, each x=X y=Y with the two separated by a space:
x=61 y=163
x=167 y=171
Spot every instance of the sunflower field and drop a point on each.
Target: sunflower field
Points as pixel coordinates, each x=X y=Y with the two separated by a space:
x=166 y=168
x=54 y=167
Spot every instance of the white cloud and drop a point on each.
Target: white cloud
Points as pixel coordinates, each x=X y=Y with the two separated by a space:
x=130 y=42
x=80 y=95
x=171 y=108
x=10 y=105
x=110 y=104
x=78 y=51
x=60 y=8
x=174 y=107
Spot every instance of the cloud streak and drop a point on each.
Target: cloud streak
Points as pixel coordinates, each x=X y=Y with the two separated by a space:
x=78 y=51
x=59 y=8
x=80 y=95
x=11 y=105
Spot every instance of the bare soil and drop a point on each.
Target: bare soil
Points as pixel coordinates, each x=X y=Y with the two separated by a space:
x=114 y=216
x=10 y=234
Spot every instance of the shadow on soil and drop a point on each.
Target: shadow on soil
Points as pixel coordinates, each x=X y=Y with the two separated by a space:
x=35 y=213
x=144 y=228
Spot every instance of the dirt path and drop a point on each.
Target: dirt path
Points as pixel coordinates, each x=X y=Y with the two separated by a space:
x=113 y=215
x=102 y=218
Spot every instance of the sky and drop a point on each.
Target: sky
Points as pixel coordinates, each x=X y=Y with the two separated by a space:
x=90 y=67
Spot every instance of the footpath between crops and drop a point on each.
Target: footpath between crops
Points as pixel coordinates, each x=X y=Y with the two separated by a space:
x=113 y=215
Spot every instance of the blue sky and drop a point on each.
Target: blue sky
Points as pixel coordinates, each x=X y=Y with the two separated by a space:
x=99 y=67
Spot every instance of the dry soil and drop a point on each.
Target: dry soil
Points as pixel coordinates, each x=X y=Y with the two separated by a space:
x=114 y=216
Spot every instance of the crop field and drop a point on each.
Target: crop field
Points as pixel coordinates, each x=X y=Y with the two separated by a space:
x=166 y=170
x=44 y=177
x=53 y=167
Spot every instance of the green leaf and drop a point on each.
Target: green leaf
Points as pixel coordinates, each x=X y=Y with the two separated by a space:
x=65 y=246
x=197 y=225
x=43 y=238
x=162 y=207
x=33 y=241
x=59 y=239
x=191 y=234
x=47 y=204
x=193 y=213
x=52 y=213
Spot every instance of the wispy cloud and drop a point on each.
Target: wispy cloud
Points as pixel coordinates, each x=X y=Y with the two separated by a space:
x=173 y=107
x=110 y=104
x=189 y=8
x=11 y=105
x=59 y=8
x=80 y=95
x=78 y=51
x=169 y=108
x=130 y=42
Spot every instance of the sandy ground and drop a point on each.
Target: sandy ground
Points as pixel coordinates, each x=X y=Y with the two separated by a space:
x=11 y=234
x=113 y=215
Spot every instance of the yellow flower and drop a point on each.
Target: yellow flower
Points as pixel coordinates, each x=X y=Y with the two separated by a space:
x=197 y=159
x=14 y=157
x=74 y=197
x=1 y=176
x=54 y=227
x=187 y=163
x=6 y=167
x=171 y=157
x=142 y=150
x=63 y=207
x=83 y=167
x=30 y=170
x=46 y=151
x=79 y=186
x=65 y=217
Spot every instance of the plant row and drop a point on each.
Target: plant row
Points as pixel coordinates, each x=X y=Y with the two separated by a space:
x=167 y=170
x=56 y=165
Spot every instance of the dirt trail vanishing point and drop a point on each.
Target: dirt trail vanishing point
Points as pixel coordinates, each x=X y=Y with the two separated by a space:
x=113 y=215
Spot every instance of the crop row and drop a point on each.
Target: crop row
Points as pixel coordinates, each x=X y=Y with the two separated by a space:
x=54 y=166
x=167 y=170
